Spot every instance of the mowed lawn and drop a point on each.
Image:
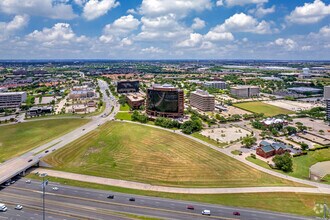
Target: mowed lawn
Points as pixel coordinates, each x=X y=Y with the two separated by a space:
x=260 y=107
x=302 y=164
x=20 y=138
x=144 y=154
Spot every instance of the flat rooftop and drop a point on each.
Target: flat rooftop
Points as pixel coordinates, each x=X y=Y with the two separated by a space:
x=11 y=93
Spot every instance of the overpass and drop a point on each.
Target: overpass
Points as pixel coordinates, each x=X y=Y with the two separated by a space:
x=15 y=167
x=18 y=165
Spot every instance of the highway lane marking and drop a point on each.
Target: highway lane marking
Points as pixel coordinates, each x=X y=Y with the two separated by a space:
x=107 y=212
x=125 y=205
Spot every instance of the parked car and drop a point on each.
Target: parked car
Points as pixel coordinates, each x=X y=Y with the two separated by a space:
x=190 y=207
x=132 y=199
x=236 y=213
x=111 y=197
x=18 y=207
x=206 y=212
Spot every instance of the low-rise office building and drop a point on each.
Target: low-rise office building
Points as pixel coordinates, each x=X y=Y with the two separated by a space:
x=135 y=100
x=12 y=99
x=245 y=91
x=35 y=111
x=202 y=100
x=81 y=94
x=215 y=84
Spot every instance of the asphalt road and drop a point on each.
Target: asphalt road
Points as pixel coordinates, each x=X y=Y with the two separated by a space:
x=79 y=203
x=14 y=166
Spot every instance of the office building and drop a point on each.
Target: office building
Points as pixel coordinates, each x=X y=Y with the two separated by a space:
x=305 y=90
x=215 y=84
x=128 y=86
x=135 y=100
x=245 y=91
x=12 y=99
x=327 y=101
x=202 y=100
x=81 y=94
x=165 y=101
x=35 y=111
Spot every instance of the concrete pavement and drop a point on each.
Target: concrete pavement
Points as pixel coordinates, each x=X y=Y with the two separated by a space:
x=79 y=203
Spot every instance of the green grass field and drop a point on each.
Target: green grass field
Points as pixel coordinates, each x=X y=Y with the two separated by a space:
x=124 y=108
x=294 y=203
x=156 y=157
x=20 y=138
x=260 y=107
x=301 y=164
x=124 y=116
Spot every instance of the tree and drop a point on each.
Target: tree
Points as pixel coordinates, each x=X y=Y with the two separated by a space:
x=283 y=162
x=304 y=146
x=191 y=126
x=248 y=141
x=291 y=130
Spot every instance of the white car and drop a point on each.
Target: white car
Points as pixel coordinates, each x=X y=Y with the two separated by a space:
x=28 y=181
x=206 y=212
x=55 y=188
x=18 y=207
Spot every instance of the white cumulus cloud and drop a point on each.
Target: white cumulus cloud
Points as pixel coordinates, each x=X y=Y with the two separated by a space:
x=260 y=11
x=198 y=24
x=60 y=33
x=309 y=13
x=231 y=3
x=287 y=44
x=96 y=8
x=178 y=7
x=9 y=28
x=44 y=8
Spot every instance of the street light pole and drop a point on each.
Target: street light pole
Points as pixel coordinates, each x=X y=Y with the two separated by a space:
x=44 y=183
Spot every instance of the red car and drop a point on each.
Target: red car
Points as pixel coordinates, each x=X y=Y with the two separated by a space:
x=236 y=213
x=190 y=207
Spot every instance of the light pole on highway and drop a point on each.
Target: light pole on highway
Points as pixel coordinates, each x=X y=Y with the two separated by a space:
x=44 y=184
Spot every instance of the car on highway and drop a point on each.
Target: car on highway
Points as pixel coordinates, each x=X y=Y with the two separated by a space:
x=55 y=188
x=190 y=207
x=18 y=207
x=83 y=129
x=3 y=207
x=30 y=160
x=12 y=181
x=111 y=197
x=206 y=212
x=236 y=213
x=7 y=183
x=132 y=199
x=28 y=181
x=46 y=151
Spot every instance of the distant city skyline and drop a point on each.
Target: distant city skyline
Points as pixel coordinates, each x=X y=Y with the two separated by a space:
x=165 y=29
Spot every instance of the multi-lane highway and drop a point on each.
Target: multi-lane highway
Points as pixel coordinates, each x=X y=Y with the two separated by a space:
x=78 y=203
x=19 y=164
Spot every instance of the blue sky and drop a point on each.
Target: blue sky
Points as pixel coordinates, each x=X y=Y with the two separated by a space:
x=165 y=29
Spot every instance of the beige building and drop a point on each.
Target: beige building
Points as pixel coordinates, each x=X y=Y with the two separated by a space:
x=245 y=91
x=12 y=99
x=202 y=100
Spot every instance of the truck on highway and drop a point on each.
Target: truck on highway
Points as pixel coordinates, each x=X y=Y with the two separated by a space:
x=3 y=207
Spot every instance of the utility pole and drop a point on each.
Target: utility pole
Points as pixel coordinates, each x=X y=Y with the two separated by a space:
x=44 y=183
x=325 y=210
